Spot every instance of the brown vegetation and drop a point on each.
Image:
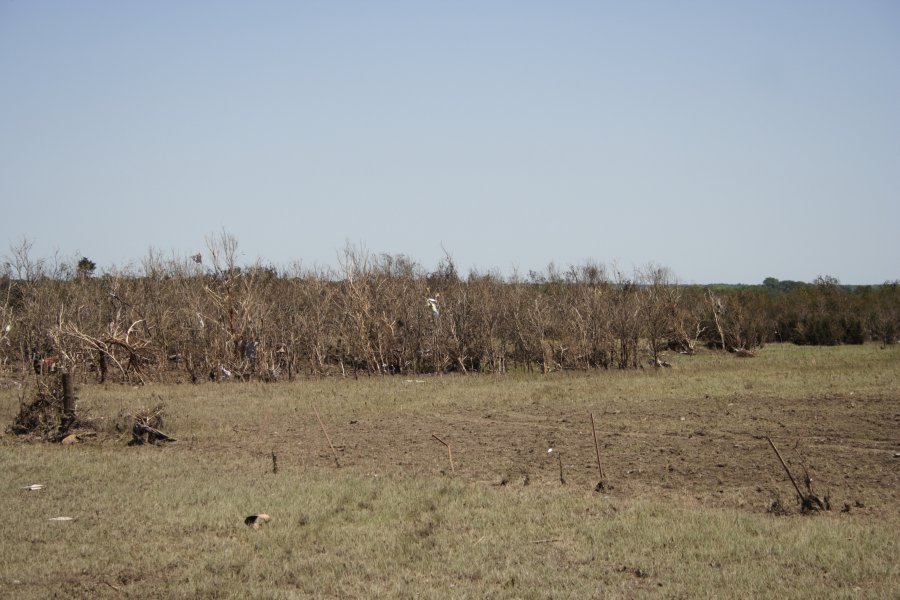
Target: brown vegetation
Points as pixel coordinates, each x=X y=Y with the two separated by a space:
x=206 y=318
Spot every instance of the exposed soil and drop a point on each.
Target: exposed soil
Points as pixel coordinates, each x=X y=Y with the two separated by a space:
x=710 y=451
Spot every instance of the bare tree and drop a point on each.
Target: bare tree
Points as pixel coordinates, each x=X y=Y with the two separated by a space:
x=658 y=300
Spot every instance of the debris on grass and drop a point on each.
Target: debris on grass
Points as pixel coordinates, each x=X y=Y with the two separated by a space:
x=153 y=435
x=777 y=508
x=257 y=521
x=74 y=438
x=809 y=501
x=44 y=416
x=146 y=427
x=33 y=487
x=60 y=519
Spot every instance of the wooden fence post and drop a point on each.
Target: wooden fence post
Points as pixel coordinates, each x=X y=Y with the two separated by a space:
x=68 y=395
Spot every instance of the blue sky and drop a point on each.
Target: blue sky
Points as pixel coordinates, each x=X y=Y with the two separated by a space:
x=729 y=141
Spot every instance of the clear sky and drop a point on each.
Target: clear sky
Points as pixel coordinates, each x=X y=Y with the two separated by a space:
x=729 y=141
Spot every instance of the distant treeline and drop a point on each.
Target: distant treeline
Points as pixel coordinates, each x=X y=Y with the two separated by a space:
x=204 y=317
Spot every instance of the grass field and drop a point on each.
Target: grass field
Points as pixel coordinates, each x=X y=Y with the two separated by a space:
x=684 y=513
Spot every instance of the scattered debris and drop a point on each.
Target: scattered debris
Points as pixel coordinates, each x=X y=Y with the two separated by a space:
x=140 y=430
x=74 y=438
x=33 y=487
x=146 y=427
x=60 y=519
x=809 y=502
x=433 y=305
x=257 y=521
x=46 y=417
x=449 y=452
x=777 y=508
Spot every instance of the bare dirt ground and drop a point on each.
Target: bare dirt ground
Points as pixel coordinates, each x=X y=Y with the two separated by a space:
x=709 y=451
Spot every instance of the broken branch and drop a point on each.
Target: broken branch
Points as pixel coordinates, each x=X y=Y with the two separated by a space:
x=786 y=470
x=333 y=452
x=449 y=452
x=596 y=445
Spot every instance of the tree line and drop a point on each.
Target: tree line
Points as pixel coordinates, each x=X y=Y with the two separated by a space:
x=204 y=317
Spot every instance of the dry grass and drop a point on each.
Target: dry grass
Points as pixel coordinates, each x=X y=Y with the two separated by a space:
x=166 y=521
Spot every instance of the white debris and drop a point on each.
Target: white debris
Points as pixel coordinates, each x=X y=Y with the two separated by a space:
x=60 y=519
x=257 y=521
x=550 y=451
x=33 y=487
x=432 y=303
